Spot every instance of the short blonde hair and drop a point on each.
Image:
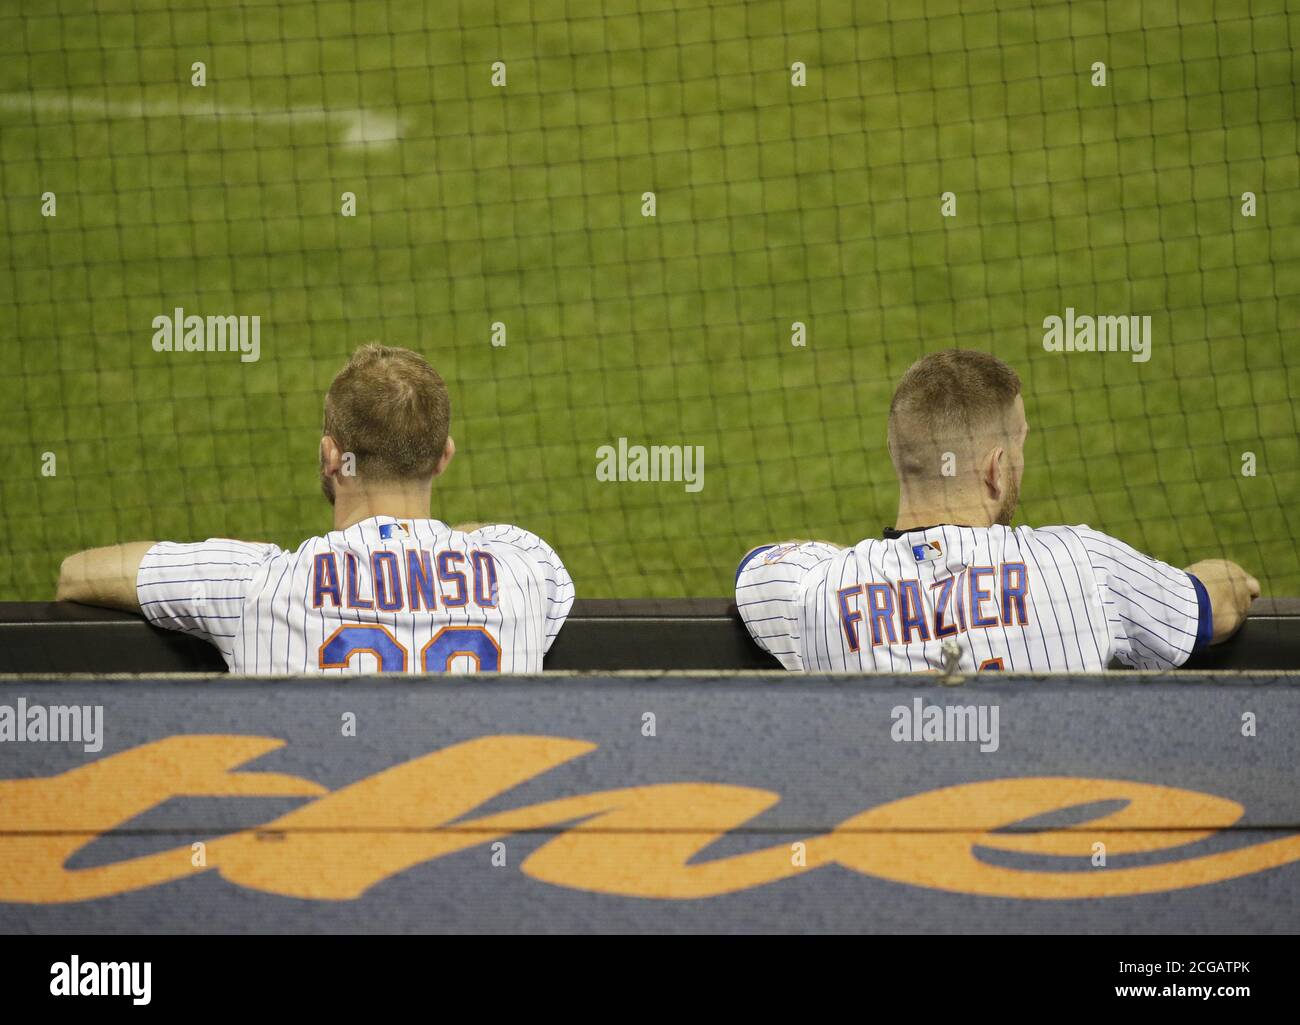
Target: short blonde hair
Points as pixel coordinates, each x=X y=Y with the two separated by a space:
x=391 y=409
x=944 y=401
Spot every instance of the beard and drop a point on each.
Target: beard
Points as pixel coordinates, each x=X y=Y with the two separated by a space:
x=1010 y=501
x=327 y=486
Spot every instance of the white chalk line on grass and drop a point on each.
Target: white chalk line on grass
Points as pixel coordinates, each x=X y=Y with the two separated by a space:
x=359 y=127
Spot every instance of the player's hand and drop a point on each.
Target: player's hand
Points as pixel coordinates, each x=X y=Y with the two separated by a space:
x=1231 y=590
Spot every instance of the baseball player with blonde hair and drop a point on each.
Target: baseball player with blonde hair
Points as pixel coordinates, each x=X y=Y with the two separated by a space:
x=388 y=589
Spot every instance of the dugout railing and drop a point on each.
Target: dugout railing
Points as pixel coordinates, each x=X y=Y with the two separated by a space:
x=600 y=635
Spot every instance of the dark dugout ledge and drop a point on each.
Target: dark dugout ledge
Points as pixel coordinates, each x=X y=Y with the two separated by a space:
x=609 y=635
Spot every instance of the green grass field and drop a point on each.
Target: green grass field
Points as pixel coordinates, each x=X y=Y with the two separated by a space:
x=775 y=204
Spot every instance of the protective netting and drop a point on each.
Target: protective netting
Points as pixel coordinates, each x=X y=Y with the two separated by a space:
x=728 y=227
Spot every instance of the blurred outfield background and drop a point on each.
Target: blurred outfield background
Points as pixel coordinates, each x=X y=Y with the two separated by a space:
x=523 y=205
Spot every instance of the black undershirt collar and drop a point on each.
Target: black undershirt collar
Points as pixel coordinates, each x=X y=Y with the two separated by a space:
x=891 y=533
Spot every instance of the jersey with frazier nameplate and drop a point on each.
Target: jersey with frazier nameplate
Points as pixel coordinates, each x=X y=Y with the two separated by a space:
x=384 y=595
x=1028 y=599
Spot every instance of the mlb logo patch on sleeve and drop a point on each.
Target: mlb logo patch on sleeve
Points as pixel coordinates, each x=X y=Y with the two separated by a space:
x=387 y=530
x=927 y=551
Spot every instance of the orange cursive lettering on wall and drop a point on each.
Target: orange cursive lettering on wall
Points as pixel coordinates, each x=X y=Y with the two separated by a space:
x=43 y=822
x=644 y=841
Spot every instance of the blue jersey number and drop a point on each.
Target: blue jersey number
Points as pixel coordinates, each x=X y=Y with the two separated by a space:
x=346 y=641
x=452 y=642
x=448 y=644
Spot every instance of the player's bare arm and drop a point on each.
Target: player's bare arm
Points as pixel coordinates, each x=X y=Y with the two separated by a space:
x=104 y=576
x=1231 y=590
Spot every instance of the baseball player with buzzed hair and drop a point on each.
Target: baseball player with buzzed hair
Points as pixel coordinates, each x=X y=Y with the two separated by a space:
x=388 y=589
x=952 y=569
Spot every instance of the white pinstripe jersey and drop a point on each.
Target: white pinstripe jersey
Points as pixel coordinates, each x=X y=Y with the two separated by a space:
x=383 y=595
x=1044 y=599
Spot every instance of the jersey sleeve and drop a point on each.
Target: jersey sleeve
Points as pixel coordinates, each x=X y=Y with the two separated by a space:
x=1157 y=614
x=770 y=583
x=556 y=584
x=200 y=588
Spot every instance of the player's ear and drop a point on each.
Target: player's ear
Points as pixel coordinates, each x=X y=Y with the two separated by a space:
x=331 y=456
x=448 y=451
x=992 y=475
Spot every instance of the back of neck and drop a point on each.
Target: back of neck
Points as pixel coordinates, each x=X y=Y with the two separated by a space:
x=928 y=514
x=350 y=510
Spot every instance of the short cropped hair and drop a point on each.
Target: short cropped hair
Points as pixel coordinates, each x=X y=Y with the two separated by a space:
x=391 y=409
x=944 y=401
